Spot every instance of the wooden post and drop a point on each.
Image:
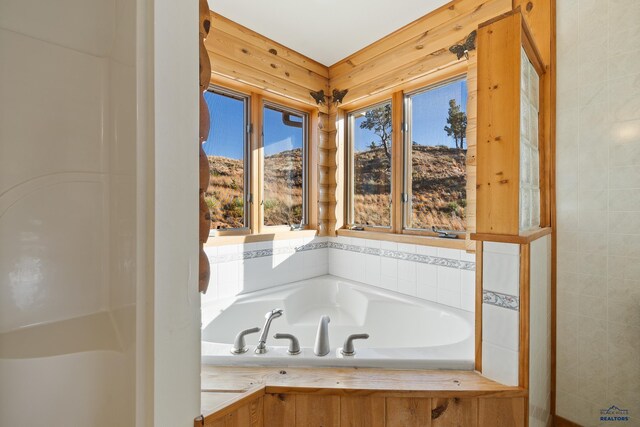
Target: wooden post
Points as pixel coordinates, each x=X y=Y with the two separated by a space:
x=205 y=214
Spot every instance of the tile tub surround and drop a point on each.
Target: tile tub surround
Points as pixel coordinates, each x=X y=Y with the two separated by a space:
x=500 y=311
x=250 y=267
x=598 y=207
x=446 y=276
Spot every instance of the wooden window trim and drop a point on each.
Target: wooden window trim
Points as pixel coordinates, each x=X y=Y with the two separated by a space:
x=257 y=231
x=397 y=232
x=349 y=166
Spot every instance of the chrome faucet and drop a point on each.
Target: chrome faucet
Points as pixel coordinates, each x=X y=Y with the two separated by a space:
x=262 y=343
x=322 y=347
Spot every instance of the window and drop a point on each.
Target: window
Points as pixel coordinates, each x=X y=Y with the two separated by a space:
x=435 y=157
x=284 y=139
x=227 y=150
x=257 y=152
x=411 y=153
x=370 y=139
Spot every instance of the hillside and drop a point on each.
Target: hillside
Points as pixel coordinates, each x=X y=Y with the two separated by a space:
x=439 y=193
x=282 y=194
x=438 y=187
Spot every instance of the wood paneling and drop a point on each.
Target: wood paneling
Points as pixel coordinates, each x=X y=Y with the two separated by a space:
x=408 y=412
x=501 y=412
x=316 y=411
x=364 y=411
x=250 y=414
x=280 y=409
x=242 y=55
x=525 y=319
x=454 y=412
x=413 y=51
x=499 y=126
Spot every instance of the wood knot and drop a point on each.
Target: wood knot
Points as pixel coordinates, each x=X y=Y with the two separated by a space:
x=273 y=65
x=286 y=73
x=438 y=411
x=497 y=138
x=206 y=24
x=244 y=50
x=504 y=181
x=273 y=51
x=419 y=47
x=529 y=6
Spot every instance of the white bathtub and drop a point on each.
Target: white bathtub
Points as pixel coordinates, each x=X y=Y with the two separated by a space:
x=405 y=332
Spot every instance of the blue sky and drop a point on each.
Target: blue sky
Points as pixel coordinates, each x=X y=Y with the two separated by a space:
x=226 y=137
x=430 y=110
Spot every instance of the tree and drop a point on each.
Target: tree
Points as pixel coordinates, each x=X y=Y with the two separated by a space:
x=379 y=121
x=456 y=123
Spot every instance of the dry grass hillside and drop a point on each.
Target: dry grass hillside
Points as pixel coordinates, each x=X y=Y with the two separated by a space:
x=282 y=194
x=438 y=186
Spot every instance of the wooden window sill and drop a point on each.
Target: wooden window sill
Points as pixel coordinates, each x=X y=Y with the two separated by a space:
x=264 y=237
x=526 y=237
x=405 y=238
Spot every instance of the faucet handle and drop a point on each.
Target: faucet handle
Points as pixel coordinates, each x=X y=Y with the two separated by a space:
x=276 y=312
x=239 y=345
x=294 y=345
x=347 y=348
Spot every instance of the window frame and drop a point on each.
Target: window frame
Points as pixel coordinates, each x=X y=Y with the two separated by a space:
x=350 y=166
x=399 y=208
x=247 y=160
x=407 y=165
x=257 y=232
x=278 y=106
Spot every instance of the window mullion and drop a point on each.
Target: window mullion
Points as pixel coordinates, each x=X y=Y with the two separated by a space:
x=397 y=159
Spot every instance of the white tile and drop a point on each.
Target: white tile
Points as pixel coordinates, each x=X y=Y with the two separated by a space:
x=403 y=247
x=407 y=287
x=449 y=253
x=428 y=292
x=427 y=250
x=388 y=282
x=450 y=298
x=501 y=248
x=389 y=246
x=406 y=270
x=500 y=364
x=501 y=273
x=372 y=243
x=468 y=290
x=500 y=326
x=467 y=256
x=427 y=275
x=389 y=267
x=448 y=279
x=372 y=270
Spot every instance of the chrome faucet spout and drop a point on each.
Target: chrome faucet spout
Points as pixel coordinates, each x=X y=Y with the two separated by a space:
x=262 y=342
x=322 y=347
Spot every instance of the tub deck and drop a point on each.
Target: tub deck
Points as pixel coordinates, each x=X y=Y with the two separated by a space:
x=227 y=390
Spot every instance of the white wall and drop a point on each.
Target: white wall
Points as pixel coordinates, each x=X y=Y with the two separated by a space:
x=598 y=192
x=176 y=301
x=67 y=212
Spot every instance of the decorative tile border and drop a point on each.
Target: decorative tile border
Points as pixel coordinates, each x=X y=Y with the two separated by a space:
x=406 y=256
x=259 y=253
x=510 y=302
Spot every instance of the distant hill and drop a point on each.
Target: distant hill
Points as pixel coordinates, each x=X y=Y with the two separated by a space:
x=439 y=188
x=283 y=171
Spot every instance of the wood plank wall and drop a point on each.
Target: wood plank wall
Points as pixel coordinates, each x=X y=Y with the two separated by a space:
x=240 y=54
x=417 y=54
x=311 y=410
